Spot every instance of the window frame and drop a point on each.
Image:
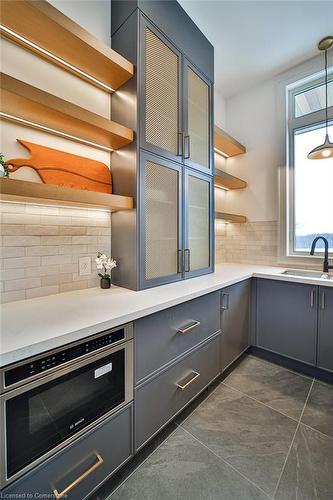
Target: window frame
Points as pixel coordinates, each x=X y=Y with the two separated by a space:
x=310 y=120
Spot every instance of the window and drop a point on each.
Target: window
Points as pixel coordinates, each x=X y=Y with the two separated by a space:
x=310 y=182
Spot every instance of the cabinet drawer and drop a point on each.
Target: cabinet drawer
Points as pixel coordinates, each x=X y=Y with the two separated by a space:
x=88 y=462
x=158 y=339
x=160 y=399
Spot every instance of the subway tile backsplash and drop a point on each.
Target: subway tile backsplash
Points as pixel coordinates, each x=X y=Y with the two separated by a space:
x=252 y=242
x=40 y=248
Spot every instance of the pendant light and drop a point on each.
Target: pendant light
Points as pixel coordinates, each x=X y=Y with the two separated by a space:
x=325 y=150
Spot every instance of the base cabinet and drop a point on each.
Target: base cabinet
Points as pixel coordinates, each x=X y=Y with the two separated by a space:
x=287 y=319
x=162 y=397
x=235 y=321
x=79 y=469
x=325 y=329
x=163 y=337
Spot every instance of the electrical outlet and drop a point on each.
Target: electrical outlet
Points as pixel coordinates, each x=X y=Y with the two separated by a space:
x=84 y=266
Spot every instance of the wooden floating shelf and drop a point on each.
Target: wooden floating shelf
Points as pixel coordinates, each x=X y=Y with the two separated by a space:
x=43 y=110
x=226 y=145
x=35 y=192
x=43 y=26
x=228 y=181
x=240 y=219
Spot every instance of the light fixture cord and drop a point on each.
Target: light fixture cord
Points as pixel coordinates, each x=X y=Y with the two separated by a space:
x=326 y=92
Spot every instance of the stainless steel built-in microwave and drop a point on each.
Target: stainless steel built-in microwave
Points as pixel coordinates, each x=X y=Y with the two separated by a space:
x=49 y=400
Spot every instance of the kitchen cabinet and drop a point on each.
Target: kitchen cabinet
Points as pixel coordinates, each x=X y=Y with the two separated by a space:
x=235 y=321
x=161 y=207
x=325 y=329
x=286 y=319
x=198 y=244
x=158 y=400
x=176 y=213
x=176 y=103
x=165 y=336
x=169 y=235
x=81 y=467
x=198 y=120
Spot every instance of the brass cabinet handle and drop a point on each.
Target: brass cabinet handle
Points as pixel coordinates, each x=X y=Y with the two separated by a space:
x=182 y=387
x=188 y=328
x=78 y=480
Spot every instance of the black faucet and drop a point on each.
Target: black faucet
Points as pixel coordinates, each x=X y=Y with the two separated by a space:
x=326 y=265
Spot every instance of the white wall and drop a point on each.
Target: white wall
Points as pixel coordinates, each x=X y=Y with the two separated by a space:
x=256 y=118
x=93 y=15
x=219 y=109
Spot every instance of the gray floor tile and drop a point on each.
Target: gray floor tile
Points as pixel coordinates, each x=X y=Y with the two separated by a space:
x=250 y=436
x=271 y=384
x=183 y=469
x=318 y=412
x=309 y=468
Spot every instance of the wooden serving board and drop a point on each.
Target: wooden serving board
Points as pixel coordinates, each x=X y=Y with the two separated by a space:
x=64 y=169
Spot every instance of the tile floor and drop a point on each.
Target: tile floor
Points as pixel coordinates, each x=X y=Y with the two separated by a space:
x=264 y=432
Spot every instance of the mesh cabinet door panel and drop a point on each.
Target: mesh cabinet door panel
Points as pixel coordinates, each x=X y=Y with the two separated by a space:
x=161 y=220
x=162 y=77
x=198 y=222
x=198 y=118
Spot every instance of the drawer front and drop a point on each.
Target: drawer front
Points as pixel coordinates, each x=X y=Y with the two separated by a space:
x=85 y=464
x=166 y=335
x=159 y=400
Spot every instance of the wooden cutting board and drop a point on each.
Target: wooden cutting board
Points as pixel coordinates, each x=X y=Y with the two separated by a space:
x=64 y=169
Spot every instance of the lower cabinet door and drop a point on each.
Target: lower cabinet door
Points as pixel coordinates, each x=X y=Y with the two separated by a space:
x=325 y=329
x=287 y=319
x=161 y=398
x=77 y=471
x=235 y=321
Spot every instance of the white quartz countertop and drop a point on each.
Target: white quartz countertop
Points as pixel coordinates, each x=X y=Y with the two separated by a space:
x=33 y=326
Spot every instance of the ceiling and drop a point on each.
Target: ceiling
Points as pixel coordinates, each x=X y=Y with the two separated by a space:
x=256 y=40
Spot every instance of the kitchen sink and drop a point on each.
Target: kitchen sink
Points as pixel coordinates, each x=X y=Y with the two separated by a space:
x=308 y=274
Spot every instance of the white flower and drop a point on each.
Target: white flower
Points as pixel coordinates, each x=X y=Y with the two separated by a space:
x=105 y=263
x=110 y=264
x=101 y=260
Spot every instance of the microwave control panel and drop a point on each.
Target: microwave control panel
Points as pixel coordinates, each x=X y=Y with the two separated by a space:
x=58 y=358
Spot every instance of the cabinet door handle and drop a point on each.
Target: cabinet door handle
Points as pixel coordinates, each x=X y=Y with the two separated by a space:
x=181 y=142
x=180 y=261
x=187 y=263
x=322 y=300
x=312 y=298
x=189 y=327
x=224 y=301
x=188 y=148
x=78 y=480
x=184 y=383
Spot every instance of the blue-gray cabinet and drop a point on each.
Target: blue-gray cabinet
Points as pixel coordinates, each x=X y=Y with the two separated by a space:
x=158 y=400
x=163 y=337
x=175 y=103
x=168 y=169
x=176 y=214
x=286 y=319
x=76 y=471
x=325 y=329
x=235 y=321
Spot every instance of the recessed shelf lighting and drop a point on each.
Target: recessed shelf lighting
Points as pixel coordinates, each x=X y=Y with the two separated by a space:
x=55 y=58
x=53 y=131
